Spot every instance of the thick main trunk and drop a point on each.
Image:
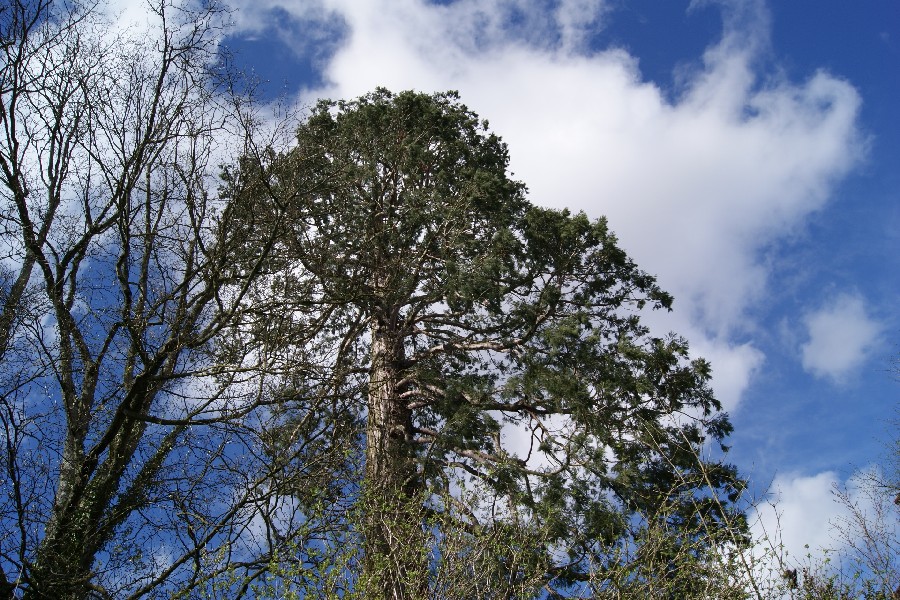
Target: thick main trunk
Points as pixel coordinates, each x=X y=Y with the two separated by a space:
x=61 y=571
x=395 y=564
x=83 y=520
x=62 y=568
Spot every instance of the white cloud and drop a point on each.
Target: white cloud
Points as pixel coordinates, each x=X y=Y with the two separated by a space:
x=799 y=516
x=841 y=335
x=577 y=18
x=695 y=188
x=733 y=367
x=825 y=522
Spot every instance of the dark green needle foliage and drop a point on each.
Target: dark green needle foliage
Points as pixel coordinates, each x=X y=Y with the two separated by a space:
x=494 y=347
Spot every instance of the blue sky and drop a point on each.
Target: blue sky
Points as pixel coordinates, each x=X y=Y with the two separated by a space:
x=745 y=152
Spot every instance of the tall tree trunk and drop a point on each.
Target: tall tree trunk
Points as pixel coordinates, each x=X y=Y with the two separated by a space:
x=395 y=563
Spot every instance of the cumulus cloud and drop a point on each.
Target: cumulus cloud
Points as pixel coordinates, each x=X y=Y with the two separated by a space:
x=696 y=187
x=841 y=335
x=733 y=366
x=822 y=515
x=799 y=515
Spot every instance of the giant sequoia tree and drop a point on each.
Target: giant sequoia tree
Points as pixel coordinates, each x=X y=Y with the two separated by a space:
x=493 y=346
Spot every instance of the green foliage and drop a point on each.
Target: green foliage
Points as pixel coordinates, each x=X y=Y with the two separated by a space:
x=488 y=341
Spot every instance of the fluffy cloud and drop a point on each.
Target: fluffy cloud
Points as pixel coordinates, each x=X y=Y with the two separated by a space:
x=696 y=187
x=798 y=518
x=821 y=515
x=841 y=334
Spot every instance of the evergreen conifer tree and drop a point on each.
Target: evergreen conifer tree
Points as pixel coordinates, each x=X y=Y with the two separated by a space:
x=493 y=347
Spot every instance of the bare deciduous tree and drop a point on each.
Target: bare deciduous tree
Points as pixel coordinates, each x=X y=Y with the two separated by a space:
x=143 y=451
